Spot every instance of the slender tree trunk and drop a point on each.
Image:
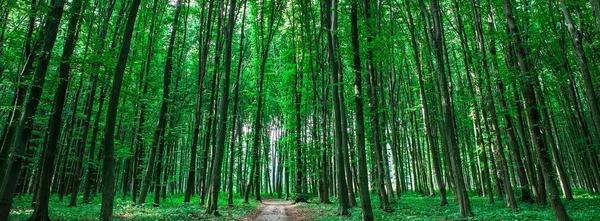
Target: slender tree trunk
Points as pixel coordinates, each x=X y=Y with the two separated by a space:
x=166 y=94
x=41 y=208
x=298 y=119
x=363 y=181
x=237 y=124
x=158 y=138
x=264 y=45
x=108 y=174
x=85 y=124
x=91 y=168
x=12 y=122
x=330 y=10
x=448 y=115
x=202 y=61
x=372 y=94
x=576 y=35
x=514 y=144
x=437 y=169
x=499 y=147
x=533 y=115
x=25 y=127
x=222 y=117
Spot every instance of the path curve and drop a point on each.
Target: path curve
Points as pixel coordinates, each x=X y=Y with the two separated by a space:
x=275 y=209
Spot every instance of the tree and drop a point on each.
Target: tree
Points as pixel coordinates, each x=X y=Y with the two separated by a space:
x=330 y=10
x=363 y=181
x=41 y=207
x=24 y=129
x=449 y=132
x=215 y=184
x=533 y=115
x=108 y=174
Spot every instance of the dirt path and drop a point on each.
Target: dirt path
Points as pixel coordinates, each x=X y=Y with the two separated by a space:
x=274 y=209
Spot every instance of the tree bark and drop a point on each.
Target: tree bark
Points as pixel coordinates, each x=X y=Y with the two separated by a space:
x=43 y=196
x=533 y=115
x=363 y=180
x=222 y=117
x=437 y=169
x=25 y=127
x=108 y=175
x=449 y=132
x=330 y=10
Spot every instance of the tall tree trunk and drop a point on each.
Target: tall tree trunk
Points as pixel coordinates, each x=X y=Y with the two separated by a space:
x=363 y=181
x=91 y=170
x=499 y=147
x=202 y=61
x=108 y=173
x=166 y=94
x=297 y=117
x=237 y=124
x=330 y=10
x=533 y=115
x=510 y=129
x=30 y=54
x=372 y=94
x=449 y=132
x=85 y=124
x=264 y=45
x=435 y=155
x=41 y=208
x=576 y=35
x=25 y=127
x=222 y=116
x=158 y=140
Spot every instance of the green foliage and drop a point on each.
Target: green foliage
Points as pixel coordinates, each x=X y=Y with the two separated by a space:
x=170 y=209
x=413 y=206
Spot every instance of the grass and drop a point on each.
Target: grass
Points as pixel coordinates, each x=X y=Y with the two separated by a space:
x=170 y=209
x=413 y=206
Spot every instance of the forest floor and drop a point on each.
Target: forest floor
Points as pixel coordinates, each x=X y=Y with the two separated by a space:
x=276 y=209
x=414 y=206
x=410 y=206
x=171 y=208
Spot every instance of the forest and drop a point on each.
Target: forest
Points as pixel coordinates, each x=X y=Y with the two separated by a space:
x=322 y=109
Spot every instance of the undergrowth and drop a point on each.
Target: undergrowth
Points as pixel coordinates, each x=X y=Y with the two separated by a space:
x=414 y=206
x=171 y=209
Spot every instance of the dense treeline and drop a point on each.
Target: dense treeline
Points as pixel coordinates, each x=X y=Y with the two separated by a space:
x=299 y=99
